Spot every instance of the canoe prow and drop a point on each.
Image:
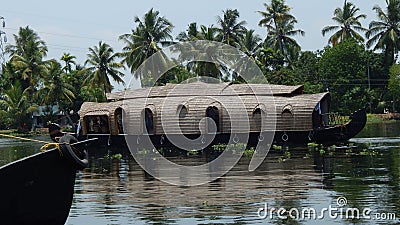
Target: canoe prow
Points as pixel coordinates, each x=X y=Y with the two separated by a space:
x=39 y=189
x=342 y=132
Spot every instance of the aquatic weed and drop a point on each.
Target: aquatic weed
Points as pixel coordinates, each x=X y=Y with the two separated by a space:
x=277 y=147
x=192 y=152
x=249 y=152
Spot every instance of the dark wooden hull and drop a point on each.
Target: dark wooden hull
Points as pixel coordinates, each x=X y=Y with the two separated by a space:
x=37 y=190
x=160 y=141
x=324 y=135
x=343 y=132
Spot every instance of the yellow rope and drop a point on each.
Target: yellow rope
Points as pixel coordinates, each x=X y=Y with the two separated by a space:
x=25 y=139
x=51 y=145
x=45 y=147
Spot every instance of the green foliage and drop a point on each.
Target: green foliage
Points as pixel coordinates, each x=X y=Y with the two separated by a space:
x=117 y=156
x=286 y=156
x=68 y=61
x=231 y=30
x=277 y=147
x=373 y=118
x=306 y=71
x=235 y=149
x=343 y=70
x=346 y=150
x=249 y=152
x=384 y=33
x=102 y=65
x=5 y=121
x=145 y=40
x=181 y=74
x=26 y=55
x=269 y=59
x=192 y=152
x=16 y=103
x=280 y=25
x=55 y=90
x=283 y=76
x=347 y=24
x=394 y=83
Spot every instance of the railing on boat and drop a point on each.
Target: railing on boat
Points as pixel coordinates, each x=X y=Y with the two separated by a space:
x=335 y=118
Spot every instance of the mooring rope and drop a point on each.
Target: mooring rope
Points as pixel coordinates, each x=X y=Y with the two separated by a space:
x=44 y=148
x=25 y=139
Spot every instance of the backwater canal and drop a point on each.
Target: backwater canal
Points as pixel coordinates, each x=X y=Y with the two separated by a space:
x=363 y=175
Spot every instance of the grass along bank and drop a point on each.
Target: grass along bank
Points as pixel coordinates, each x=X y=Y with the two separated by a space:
x=377 y=118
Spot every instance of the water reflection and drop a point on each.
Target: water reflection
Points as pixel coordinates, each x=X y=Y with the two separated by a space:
x=113 y=185
x=388 y=128
x=117 y=191
x=14 y=149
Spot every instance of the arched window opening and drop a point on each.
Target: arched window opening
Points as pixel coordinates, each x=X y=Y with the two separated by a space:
x=97 y=124
x=148 y=121
x=213 y=117
x=287 y=111
x=118 y=120
x=257 y=117
x=182 y=112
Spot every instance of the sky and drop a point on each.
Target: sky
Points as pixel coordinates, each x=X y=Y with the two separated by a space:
x=73 y=26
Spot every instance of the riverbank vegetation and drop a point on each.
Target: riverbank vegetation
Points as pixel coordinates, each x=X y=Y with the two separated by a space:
x=378 y=118
x=358 y=65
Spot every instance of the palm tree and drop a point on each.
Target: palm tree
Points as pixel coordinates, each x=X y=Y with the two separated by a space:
x=280 y=37
x=208 y=50
x=102 y=64
x=250 y=43
x=191 y=34
x=209 y=33
x=145 y=39
x=16 y=102
x=231 y=30
x=202 y=68
x=27 y=57
x=276 y=12
x=280 y=26
x=348 y=24
x=69 y=61
x=55 y=89
x=27 y=44
x=269 y=59
x=386 y=31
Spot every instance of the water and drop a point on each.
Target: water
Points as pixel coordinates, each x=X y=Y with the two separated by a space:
x=13 y=149
x=117 y=191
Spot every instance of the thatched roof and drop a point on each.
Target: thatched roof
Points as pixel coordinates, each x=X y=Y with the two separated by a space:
x=207 y=89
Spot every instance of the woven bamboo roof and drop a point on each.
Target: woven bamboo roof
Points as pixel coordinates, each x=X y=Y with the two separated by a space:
x=207 y=89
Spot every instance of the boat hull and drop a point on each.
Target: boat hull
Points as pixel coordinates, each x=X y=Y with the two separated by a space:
x=324 y=135
x=161 y=141
x=37 y=190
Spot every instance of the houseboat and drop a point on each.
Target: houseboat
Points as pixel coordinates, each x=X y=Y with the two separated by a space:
x=220 y=111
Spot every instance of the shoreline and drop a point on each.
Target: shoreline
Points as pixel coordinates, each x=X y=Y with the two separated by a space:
x=376 y=118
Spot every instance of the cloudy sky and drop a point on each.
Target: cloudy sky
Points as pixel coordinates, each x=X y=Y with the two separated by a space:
x=73 y=26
